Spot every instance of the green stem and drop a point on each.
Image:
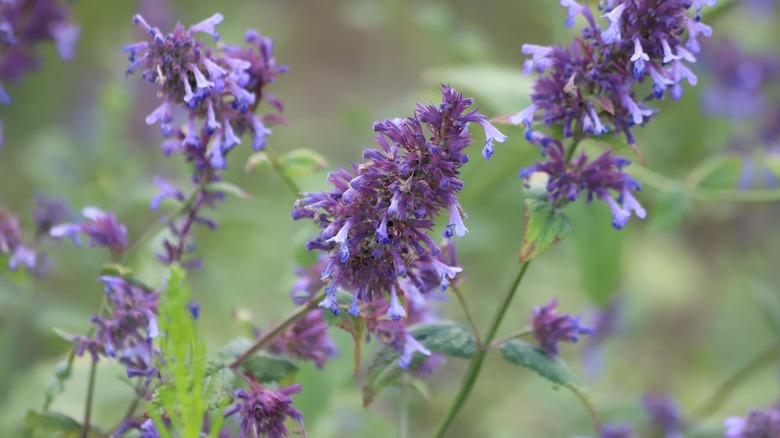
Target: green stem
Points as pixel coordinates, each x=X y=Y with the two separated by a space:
x=269 y=337
x=479 y=357
x=159 y=226
x=702 y=194
x=90 y=393
x=720 y=395
x=403 y=406
x=462 y=301
x=518 y=334
x=572 y=148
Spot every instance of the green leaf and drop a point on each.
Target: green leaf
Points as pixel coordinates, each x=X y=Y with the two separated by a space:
x=422 y=388
x=229 y=188
x=221 y=383
x=598 y=250
x=717 y=172
x=550 y=368
x=258 y=161
x=670 y=210
x=302 y=162
x=264 y=367
x=500 y=87
x=444 y=337
x=50 y=424
x=544 y=225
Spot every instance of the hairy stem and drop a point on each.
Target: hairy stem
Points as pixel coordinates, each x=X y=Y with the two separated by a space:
x=479 y=357
x=266 y=339
x=462 y=301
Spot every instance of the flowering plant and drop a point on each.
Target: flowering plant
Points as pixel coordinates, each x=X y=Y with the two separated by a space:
x=384 y=244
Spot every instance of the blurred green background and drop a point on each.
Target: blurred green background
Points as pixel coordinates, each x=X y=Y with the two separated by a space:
x=697 y=280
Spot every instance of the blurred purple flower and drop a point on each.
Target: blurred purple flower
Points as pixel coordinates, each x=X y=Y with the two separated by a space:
x=23 y=25
x=549 y=328
x=375 y=220
x=307 y=339
x=616 y=431
x=607 y=324
x=49 y=212
x=757 y=424
x=738 y=80
x=262 y=412
x=11 y=243
x=664 y=415
x=102 y=229
x=127 y=330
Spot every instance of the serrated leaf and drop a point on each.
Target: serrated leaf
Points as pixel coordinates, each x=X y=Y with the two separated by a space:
x=264 y=367
x=229 y=188
x=221 y=383
x=550 y=368
x=544 y=226
x=444 y=337
x=258 y=161
x=50 y=424
x=302 y=162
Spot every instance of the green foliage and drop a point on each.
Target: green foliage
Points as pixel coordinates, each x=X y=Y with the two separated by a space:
x=768 y=301
x=301 y=162
x=545 y=225
x=716 y=172
x=671 y=209
x=500 y=87
x=258 y=161
x=184 y=396
x=550 y=368
x=230 y=189
x=50 y=424
x=599 y=251
x=449 y=338
x=264 y=367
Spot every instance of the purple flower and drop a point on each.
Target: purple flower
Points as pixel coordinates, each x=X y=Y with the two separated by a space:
x=102 y=229
x=616 y=431
x=307 y=339
x=126 y=332
x=757 y=424
x=167 y=190
x=550 y=328
x=262 y=412
x=219 y=88
x=375 y=221
x=49 y=212
x=601 y=178
x=24 y=24
x=664 y=415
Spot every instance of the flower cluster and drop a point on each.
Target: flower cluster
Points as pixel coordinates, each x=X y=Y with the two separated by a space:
x=101 y=228
x=262 y=412
x=307 y=339
x=599 y=178
x=757 y=424
x=127 y=330
x=375 y=221
x=549 y=328
x=23 y=25
x=47 y=213
x=219 y=88
x=589 y=87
